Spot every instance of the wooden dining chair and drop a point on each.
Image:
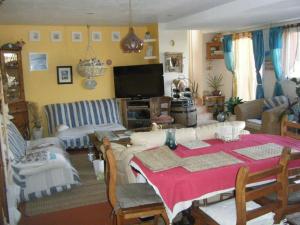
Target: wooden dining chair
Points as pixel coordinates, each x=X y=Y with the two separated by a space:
x=131 y=201
x=293 y=190
x=242 y=208
x=160 y=108
x=290 y=128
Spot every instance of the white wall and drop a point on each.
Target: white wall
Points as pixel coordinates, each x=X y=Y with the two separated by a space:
x=180 y=38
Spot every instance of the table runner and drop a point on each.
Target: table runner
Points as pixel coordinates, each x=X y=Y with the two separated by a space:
x=209 y=161
x=259 y=152
x=159 y=159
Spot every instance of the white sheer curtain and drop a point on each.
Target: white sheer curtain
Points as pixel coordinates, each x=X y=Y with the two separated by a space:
x=245 y=68
x=291 y=52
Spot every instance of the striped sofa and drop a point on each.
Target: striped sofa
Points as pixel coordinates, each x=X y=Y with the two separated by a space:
x=72 y=122
x=36 y=178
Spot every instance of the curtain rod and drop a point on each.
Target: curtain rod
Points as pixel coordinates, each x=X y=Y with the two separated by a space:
x=294 y=23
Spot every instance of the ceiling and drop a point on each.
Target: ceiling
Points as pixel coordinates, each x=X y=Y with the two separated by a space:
x=206 y=15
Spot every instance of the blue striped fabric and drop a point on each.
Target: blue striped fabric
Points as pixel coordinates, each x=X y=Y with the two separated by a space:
x=75 y=114
x=275 y=101
x=16 y=143
x=82 y=142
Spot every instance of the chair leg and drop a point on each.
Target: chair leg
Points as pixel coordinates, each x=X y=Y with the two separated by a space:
x=155 y=220
x=166 y=218
x=120 y=219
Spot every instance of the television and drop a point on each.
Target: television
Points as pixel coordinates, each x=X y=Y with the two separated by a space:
x=139 y=81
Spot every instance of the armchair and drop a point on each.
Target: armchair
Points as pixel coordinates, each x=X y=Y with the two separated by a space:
x=257 y=120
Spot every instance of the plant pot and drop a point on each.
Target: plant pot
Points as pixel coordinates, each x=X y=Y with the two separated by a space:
x=216 y=93
x=37 y=133
x=232 y=117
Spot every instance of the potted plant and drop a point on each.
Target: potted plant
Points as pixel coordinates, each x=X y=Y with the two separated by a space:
x=37 y=129
x=215 y=82
x=230 y=104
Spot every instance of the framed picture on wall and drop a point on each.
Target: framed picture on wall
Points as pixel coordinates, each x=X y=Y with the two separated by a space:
x=38 y=61
x=34 y=36
x=173 y=62
x=96 y=36
x=56 y=36
x=64 y=74
x=76 y=36
x=115 y=36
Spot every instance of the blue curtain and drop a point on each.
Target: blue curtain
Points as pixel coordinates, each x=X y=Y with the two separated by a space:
x=228 y=54
x=229 y=60
x=259 y=54
x=275 y=43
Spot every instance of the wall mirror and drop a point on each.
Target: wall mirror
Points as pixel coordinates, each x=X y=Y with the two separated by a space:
x=173 y=62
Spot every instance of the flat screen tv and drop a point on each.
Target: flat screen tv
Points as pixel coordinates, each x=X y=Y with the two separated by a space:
x=139 y=81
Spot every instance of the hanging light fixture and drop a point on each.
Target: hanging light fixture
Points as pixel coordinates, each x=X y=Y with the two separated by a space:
x=131 y=42
x=90 y=67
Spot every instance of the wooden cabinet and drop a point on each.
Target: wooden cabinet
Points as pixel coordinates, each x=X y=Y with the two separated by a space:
x=214 y=103
x=12 y=76
x=214 y=50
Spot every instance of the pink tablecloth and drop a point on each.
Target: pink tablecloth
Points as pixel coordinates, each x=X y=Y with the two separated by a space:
x=178 y=184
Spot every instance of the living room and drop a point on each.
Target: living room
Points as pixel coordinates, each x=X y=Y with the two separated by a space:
x=61 y=86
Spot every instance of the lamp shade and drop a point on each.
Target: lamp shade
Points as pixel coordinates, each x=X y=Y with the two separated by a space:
x=131 y=42
x=90 y=67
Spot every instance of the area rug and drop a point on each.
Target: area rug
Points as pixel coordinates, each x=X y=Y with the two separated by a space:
x=91 y=191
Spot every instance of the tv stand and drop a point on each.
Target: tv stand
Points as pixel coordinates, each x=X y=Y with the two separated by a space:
x=136 y=113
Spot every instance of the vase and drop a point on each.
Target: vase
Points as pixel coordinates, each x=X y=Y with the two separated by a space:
x=221 y=117
x=170 y=139
x=37 y=133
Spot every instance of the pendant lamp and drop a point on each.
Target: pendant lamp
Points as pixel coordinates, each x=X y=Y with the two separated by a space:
x=90 y=67
x=131 y=42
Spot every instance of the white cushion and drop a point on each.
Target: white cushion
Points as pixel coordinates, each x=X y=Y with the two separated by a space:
x=76 y=132
x=109 y=127
x=61 y=127
x=208 y=131
x=225 y=213
x=44 y=142
x=150 y=139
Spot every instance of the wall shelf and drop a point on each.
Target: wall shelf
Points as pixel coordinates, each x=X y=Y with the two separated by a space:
x=150 y=57
x=214 y=50
x=149 y=40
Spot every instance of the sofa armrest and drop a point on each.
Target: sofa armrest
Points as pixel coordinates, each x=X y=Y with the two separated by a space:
x=271 y=120
x=249 y=110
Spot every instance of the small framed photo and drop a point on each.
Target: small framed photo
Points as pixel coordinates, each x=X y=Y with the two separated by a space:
x=115 y=36
x=76 y=36
x=34 y=36
x=56 y=36
x=96 y=36
x=64 y=74
x=38 y=61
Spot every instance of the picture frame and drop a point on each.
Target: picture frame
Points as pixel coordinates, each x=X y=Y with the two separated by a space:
x=96 y=36
x=76 y=36
x=173 y=62
x=56 y=36
x=115 y=36
x=38 y=61
x=64 y=74
x=34 y=36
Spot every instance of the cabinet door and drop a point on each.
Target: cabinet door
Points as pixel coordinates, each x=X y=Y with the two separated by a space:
x=12 y=75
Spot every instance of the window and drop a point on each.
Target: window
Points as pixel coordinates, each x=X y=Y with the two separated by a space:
x=244 y=67
x=291 y=52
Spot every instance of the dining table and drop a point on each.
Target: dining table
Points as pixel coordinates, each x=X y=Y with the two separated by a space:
x=178 y=187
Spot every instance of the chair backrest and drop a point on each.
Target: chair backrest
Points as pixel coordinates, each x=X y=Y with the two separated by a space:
x=290 y=128
x=294 y=175
x=111 y=173
x=244 y=195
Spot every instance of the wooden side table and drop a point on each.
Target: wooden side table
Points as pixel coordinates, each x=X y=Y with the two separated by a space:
x=214 y=102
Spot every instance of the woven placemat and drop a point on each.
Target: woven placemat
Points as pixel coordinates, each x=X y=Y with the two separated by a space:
x=209 y=161
x=264 y=151
x=159 y=159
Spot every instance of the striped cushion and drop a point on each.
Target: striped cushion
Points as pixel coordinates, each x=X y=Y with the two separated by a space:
x=82 y=113
x=270 y=103
x=16 y=142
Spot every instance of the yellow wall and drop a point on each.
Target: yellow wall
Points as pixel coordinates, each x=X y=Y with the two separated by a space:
x=41 y=86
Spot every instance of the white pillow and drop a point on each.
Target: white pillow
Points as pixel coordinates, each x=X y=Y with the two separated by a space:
x=62 y=127
x=150 y=139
